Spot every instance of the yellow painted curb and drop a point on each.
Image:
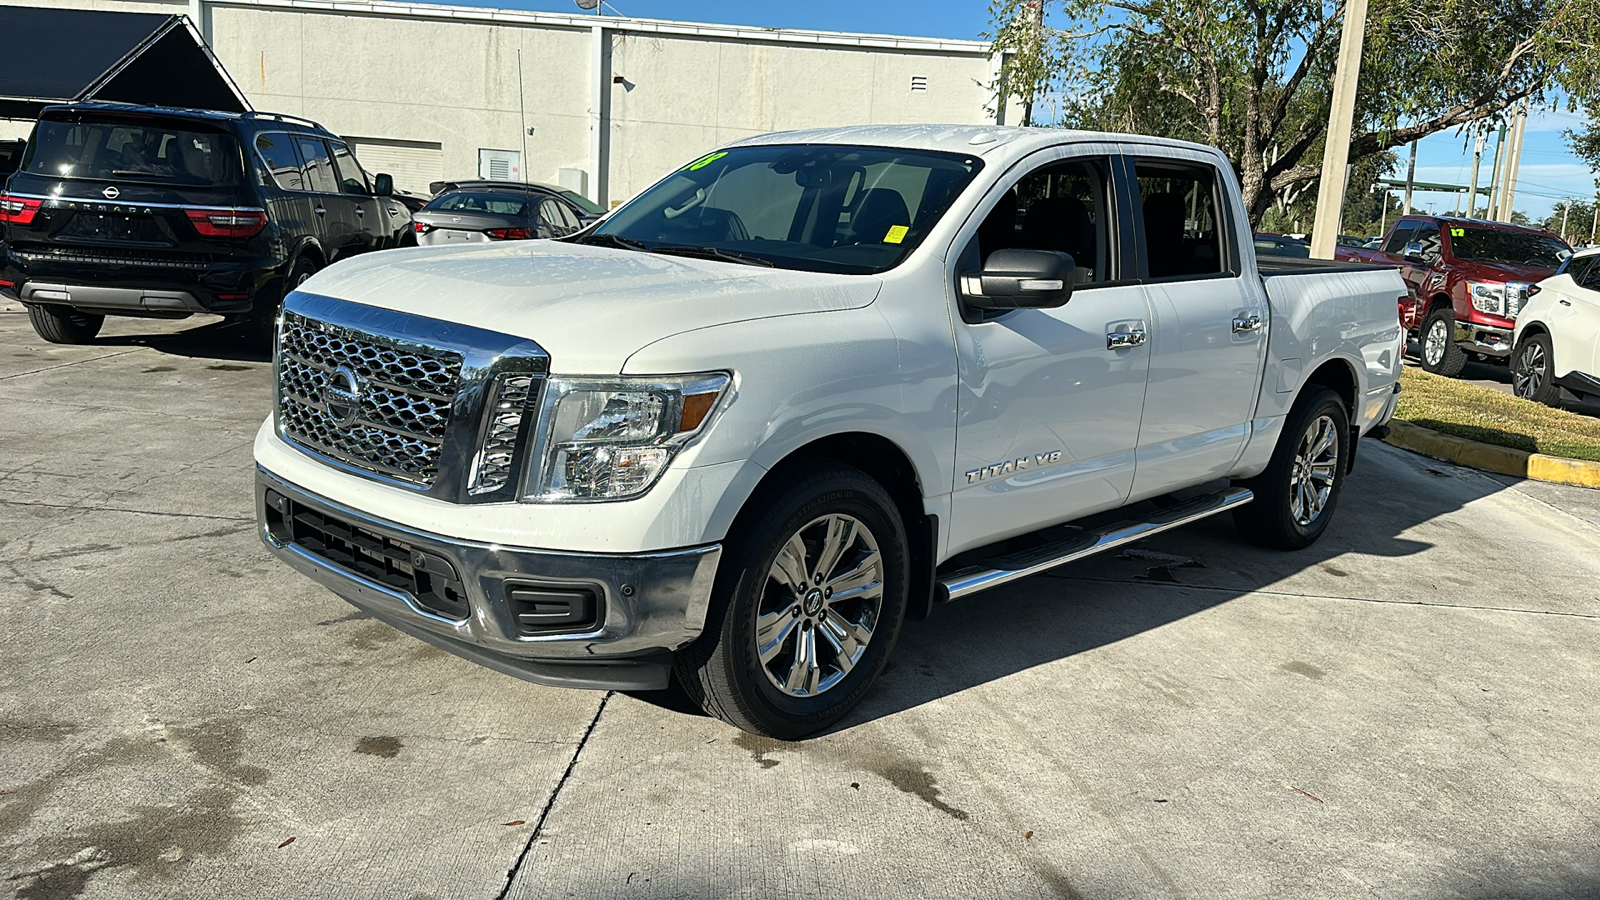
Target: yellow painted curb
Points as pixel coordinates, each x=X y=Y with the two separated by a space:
x=1488 y=457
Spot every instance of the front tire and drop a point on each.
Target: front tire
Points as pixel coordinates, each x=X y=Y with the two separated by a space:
x=63 y=324
x=807 y=606
x=1296 y=495
x=1533 y=370
x=1441 y=355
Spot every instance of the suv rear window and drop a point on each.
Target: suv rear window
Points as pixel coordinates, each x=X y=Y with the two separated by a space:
x=132 y=150
x=481 y=201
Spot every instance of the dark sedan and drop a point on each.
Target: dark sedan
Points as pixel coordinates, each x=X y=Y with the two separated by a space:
x=478 y=212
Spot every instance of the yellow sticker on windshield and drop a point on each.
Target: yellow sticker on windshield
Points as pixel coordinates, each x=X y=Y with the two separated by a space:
x=897 y=233
x=704 y=161
x=1458 y=232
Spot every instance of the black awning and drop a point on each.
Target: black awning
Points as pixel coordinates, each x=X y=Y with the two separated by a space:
x=144 y=58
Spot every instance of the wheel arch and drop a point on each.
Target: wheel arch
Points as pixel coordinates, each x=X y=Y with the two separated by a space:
x=1339 y=375
x=887 y=463
x=1437 y=302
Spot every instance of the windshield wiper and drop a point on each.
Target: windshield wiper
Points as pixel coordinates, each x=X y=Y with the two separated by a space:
x=609 y=240
x=713 y=253
x=142 y=173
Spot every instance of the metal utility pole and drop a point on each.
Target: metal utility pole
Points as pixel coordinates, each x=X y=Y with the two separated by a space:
x=1336 y=152
x=1566 y=211
x=1513 y=164
x=1411 y=176
x=1477 y=160
x=1596 y=226
x=1494 y=177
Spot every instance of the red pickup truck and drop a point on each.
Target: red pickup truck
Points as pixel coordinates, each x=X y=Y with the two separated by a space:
x=1468 y=280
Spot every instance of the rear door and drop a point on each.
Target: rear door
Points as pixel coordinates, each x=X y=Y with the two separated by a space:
x=1574 y=319
x=1209 y=322
x=371 y=227
x=290 y=206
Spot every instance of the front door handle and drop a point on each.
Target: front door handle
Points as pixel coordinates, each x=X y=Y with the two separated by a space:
x=1565 y=302
x=360 y=211
x=1116 y=340
x=1246 y=323
x=320 y=211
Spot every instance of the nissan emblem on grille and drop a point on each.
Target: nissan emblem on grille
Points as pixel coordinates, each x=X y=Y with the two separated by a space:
x=342 y=396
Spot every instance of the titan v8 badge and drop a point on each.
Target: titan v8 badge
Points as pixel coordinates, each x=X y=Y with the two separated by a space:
x=1021 y=463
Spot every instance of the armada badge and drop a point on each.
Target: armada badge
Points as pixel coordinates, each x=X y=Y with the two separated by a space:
x=342 y=396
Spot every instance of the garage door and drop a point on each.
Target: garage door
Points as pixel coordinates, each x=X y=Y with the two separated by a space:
x=412 y=163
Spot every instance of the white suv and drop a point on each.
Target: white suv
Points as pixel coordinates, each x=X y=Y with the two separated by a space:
x=1558 y=333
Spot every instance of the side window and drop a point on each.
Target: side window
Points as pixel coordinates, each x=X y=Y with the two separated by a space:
x=1587 y=273
x=1403 y=234
x=282 y=163
x=319 y=166
x=1061 y=206
x=550 y=217
x=568 y=218
x=1183 y=226
x=1428 y=237
x=351 y=179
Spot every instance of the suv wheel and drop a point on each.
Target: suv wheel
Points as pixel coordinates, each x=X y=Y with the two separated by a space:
x=1296 y=495
x=63 y=324
x=1533 y=370
x=1441 y=355
x=808 y=603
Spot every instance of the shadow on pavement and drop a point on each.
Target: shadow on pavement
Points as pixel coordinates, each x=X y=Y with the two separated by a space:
x=224 y=339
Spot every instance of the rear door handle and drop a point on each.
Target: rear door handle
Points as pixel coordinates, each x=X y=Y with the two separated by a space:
x=360 y=211
x=1246 y=323
x=1116 y=340
x=321 y=211
x=1565 y=302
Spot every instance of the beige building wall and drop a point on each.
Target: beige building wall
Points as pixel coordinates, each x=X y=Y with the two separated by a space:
x=451 y=81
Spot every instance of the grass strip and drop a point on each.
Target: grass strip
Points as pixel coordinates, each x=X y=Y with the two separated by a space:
x=1482 y=414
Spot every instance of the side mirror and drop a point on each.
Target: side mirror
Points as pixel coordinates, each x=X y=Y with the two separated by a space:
x=383 y=185
x=1413 y=251
x=1021 y=279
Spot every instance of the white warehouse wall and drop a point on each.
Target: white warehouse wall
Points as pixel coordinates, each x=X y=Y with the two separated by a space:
x=427 y=76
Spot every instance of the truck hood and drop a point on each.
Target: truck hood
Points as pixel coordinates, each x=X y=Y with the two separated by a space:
x=1484 y=270
x=589 y=307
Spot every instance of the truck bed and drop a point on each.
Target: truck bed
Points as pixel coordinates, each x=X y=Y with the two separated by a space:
x=1271 y=266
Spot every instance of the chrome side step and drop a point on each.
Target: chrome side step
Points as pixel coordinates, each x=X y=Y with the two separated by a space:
x=1010 y=567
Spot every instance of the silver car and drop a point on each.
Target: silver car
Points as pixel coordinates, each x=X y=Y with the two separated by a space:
x=478 y=212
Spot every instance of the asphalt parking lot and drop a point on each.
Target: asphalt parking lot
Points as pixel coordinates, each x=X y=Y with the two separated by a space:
x=1405 y=710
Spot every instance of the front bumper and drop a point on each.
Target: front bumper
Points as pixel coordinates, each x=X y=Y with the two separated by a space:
x=647 y=604
x=1489 y=340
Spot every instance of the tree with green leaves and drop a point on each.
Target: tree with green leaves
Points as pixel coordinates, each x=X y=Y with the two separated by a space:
x=1253 y=77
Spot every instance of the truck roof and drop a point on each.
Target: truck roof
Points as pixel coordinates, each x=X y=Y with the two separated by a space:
x=979 y=140
x=1485 y=224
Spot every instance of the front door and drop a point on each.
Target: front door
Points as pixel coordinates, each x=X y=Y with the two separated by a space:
x=1048 y=411
x=1209 y=333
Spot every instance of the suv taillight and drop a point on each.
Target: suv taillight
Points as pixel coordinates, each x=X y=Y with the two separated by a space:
x=510 y=234
x=231 y=223
x=18 y=210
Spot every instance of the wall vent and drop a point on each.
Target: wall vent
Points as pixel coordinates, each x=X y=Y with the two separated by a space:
x=919 y=82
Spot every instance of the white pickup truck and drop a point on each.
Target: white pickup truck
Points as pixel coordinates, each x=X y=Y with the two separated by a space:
x=800 y=391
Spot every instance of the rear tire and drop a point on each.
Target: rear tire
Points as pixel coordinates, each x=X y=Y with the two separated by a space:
x=786 y=653
x=1533 y=369
x=264 y=321
x=1296 y=495
x=1441 y=355
x=63 y=324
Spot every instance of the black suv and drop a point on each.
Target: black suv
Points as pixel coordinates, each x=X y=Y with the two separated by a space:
x=154 y=212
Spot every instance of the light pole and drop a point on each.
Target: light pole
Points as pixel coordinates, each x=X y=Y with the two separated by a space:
x=1336 y=152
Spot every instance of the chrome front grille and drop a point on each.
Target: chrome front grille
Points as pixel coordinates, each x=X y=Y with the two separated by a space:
x=403 y=395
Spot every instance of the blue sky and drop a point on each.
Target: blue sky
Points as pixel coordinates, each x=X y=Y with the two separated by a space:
x=1549 y=170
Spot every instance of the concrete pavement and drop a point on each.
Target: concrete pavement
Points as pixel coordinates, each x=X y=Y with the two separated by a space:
x=1405 y=710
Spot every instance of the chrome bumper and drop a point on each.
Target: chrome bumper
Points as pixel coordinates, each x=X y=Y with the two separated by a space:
x=649 y=604
x=112 y=298
x=1490 y=340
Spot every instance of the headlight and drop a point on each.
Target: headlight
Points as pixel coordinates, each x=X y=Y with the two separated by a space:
x=1489 y=298
x=611 y=439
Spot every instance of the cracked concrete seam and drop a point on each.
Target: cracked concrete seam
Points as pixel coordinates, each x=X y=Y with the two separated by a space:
x=66 y=365
x=538 y=825
x=132 y=512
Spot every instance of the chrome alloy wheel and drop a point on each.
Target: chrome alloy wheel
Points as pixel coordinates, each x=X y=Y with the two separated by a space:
x=820 y=605
x=1528 y=375
x=1433 y=345
x=1311 y=476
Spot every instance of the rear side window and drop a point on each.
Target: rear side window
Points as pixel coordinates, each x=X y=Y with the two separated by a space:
x=1428 y=237
x=282 y=162
x=1586 y=273
x=1403 y=234
x=319 y=175
x=115 y=149
x=1182 y=223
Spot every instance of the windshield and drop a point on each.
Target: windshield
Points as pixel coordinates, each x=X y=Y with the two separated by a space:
x=821 y=208
x=584 y=203
x=480 y=202
x=132 y=150
x=1520 y=248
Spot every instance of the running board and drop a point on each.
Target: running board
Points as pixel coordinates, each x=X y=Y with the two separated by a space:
x=1007 y=568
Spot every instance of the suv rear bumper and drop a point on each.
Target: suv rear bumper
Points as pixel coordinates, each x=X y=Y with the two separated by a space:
x=227 y=286
x=458 y=595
